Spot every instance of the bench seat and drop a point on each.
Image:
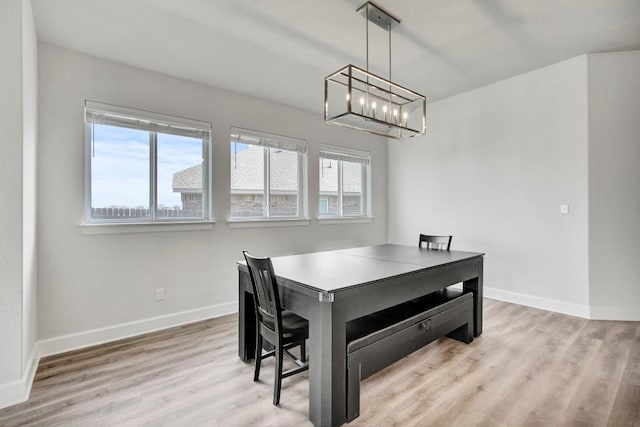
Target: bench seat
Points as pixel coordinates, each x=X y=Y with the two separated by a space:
x=380 y=339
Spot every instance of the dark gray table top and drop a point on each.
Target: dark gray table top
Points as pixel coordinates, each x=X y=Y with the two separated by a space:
x=331 y=271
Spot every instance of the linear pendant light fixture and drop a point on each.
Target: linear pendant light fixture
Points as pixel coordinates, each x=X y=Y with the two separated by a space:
x=358 y=99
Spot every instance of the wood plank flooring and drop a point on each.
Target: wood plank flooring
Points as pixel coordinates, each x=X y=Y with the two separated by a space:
x=529 y=368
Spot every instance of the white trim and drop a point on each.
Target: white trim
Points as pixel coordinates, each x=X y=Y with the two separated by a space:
x=18 y=391
x=628 y=314
x=538 y=302
x=265 y=139
x=345 y=220
x=263 y=222
x=92 y=337
x=144 y=115
x=342 y=153
x=144 y=227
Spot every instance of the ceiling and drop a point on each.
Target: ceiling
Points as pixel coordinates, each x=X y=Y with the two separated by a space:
x=281 y=50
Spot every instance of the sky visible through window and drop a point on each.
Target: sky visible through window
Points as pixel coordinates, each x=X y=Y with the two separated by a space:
x=120 y=166
x=238 y=146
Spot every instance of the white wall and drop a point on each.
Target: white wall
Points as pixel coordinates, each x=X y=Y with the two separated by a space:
x=102 y=281
x=11 y=191
x=18 y=278
x=614 y=185
x=493 y=169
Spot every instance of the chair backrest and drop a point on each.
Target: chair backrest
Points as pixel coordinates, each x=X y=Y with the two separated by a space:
x=265 y=291
x=435 y=242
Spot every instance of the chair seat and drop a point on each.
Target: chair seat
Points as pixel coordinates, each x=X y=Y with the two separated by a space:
x=292 y=323
x=294 y=327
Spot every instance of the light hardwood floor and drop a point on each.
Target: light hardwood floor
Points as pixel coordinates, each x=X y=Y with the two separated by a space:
x=529 y=368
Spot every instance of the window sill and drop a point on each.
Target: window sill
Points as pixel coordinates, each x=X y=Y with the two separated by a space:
x=345 y=220
x=261 y=222
x=144 y=227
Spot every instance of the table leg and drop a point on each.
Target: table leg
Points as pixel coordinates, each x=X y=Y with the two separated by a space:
x=327 y=365
x=475 y=286
x=246 y=320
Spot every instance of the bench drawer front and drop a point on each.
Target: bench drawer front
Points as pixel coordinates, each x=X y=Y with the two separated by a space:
x=386 y=351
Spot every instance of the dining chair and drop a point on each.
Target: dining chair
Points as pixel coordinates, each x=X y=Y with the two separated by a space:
x=435 y=242
x=281 y=328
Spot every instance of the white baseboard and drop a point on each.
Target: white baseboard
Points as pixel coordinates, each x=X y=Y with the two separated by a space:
x=538 y=302
x=83 y=339
x=18 y=391
x=630 y=314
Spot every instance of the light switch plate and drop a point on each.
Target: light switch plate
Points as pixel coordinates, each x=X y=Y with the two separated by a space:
x=564 y=209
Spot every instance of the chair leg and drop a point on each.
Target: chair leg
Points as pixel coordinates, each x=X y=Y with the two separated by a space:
x=256 y=373
x=303 y=351
x=277 y=383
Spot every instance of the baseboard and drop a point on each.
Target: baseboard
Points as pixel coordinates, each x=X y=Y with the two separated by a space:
x=538 y=302
x=629 y=314
x=79 y=340
x=18 y=391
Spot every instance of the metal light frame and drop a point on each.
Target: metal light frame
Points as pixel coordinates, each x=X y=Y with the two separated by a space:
x=383 y=107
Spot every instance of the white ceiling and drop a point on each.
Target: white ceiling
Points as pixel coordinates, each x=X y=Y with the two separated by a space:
x=281 y=50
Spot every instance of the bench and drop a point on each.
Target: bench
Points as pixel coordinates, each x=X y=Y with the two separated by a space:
x=380 y=339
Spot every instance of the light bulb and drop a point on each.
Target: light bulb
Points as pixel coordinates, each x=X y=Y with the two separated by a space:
x=348 y=97
x=361 y=100
x=384 y=108
x=405 y=115
x=373 y=105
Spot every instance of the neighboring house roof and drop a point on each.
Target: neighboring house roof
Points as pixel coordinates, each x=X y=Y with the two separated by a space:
x=188 y=180
x=247 y=174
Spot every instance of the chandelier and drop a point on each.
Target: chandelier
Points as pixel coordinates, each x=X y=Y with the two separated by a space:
x=358 y=99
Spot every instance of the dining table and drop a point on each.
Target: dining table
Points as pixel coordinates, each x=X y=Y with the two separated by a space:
x=331 y=288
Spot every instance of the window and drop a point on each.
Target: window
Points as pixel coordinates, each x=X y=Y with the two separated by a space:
x=344 y=183
x=267 y=176
x=145 y=167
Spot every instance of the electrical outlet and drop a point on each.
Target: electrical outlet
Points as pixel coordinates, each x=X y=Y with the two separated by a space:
x=564 y=209
x=160 y=294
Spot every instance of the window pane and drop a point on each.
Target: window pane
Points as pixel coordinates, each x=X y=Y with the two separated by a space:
x=328 y=187
x=180 y=179
x=323 y=206
x=283 y=178
x=247 y=180
x=119 y=173
x=351 y=189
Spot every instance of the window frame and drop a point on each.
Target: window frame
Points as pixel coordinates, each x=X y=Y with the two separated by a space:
x=340 y=155
x=270 y=141
x=154 y=123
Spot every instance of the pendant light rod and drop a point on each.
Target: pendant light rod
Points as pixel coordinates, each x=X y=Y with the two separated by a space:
x=366 y=30
x=389 y=52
